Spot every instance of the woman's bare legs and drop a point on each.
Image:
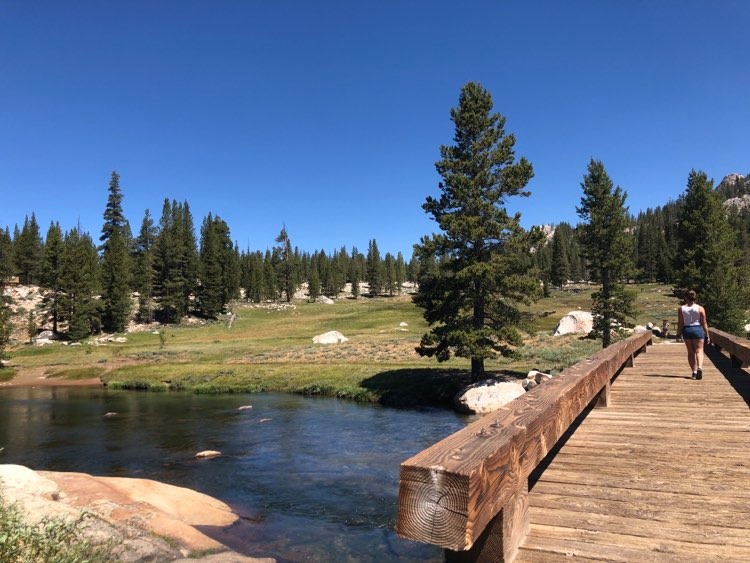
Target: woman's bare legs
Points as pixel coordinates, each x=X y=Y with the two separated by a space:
x=699 y=354
x=690 y=344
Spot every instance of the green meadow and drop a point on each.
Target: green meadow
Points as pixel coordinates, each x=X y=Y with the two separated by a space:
x=271 y=349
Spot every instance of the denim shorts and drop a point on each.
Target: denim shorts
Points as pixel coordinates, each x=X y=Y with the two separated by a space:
x=693 y=333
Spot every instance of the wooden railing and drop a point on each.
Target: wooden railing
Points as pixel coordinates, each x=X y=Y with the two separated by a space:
x=738 y=348
x=469 y=492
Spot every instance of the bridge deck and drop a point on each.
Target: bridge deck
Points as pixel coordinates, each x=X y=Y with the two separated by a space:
x=663 y=474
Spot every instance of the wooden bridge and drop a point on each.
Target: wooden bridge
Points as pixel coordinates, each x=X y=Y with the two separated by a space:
x=661 y=474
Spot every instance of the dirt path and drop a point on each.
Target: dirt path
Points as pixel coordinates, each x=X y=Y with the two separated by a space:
x=35 y=377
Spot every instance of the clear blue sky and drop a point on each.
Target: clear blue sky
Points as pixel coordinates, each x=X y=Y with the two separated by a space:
x=328 y=116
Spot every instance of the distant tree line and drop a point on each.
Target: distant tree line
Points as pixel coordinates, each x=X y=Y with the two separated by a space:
x=165 y=272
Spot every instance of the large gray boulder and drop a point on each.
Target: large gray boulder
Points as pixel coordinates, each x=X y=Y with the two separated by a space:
x=486 y=396
x=575 y=322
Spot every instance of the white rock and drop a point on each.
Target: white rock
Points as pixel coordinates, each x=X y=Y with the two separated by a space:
x=747 y=328
x=575 y=322
x=403 y=324
x=640 y=329
x=538 y=376
x=207 y=454
x=325 y=300
x=43 y=342
x=330 y=337
x=529 y=384
x=487 y=396
x=244 y=407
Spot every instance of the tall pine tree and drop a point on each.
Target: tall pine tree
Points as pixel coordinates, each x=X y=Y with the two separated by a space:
x=115 y=268
x=483 y=254
x=607 y=246
x=52 y=264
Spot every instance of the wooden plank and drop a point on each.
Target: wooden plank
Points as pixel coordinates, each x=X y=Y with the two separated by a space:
x=661 y=475
x=449 y=492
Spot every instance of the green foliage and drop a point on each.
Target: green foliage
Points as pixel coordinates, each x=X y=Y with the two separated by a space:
x=143 y=267
x=709 y=260
x=7 y=262
x=287 y=269
x=52 y=540
x=52 y=268
x=607 y=247
x=78 y=285
x=374 y=275
x=27 y=251
x=115 y=270
x=484 y=256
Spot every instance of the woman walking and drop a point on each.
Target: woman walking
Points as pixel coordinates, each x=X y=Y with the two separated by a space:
x=692 y=325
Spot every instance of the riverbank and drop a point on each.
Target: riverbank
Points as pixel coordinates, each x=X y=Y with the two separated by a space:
x=269 y=347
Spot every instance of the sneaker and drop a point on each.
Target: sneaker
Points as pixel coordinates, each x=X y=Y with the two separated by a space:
x=694 y=375
x=699 y=374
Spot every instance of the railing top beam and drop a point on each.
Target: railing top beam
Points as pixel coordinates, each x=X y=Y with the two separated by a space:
x=450 y=491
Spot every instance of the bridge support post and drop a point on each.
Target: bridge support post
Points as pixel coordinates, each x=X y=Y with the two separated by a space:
x=628 y=362
x=503 y=535
x=736 y=362
x=604 y=398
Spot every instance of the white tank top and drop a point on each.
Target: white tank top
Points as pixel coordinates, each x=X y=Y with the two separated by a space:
x=691 y=316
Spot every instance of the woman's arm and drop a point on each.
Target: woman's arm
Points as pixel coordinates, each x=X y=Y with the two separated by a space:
x=704 y=322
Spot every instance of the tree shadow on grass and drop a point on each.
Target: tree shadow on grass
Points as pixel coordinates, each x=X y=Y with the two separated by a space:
x=418 y=387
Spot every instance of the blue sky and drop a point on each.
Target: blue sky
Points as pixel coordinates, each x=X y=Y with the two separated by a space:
x=328 y=116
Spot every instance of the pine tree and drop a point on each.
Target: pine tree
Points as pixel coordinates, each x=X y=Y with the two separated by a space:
x=270 y=284
x=313 y=281
x=607 y=246
x=210 y=290
x=484 y=256
x=27 y=251
x=167 y=275
x=389 y=274
x=52 y=263
x=79 y=284
x=286 y=269
x=115 y=268
x=560 y=267
x=143 y=258
x=374 y=275
x=7 y=262
x=709 y=261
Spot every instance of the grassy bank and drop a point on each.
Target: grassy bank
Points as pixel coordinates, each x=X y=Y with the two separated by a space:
x=271 y=349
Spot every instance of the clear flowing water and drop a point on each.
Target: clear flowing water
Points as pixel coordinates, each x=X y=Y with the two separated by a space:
x=315 y=479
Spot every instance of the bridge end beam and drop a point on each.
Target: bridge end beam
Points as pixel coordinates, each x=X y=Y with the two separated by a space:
x=500 y=540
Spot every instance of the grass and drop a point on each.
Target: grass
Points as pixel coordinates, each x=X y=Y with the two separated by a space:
x=6 y=374
x=52 y=540
x=76 y=373
x=272 y=350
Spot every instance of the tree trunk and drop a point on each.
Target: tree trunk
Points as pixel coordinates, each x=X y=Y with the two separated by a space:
x=477 y=369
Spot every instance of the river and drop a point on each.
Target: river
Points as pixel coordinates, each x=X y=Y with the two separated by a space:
x=316 y=478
